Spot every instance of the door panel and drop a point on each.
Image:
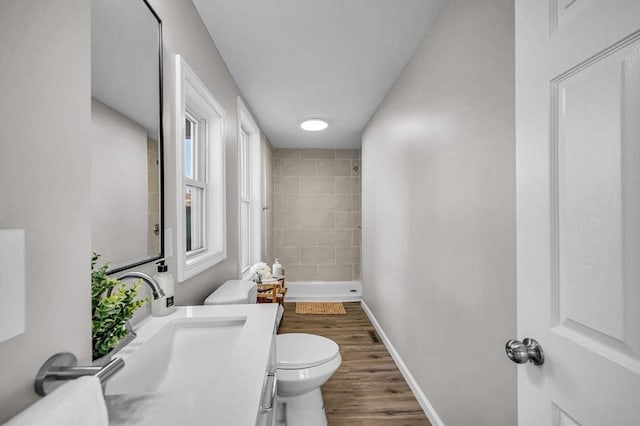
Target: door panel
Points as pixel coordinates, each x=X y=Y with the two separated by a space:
x=578 y=209
x=596 y=234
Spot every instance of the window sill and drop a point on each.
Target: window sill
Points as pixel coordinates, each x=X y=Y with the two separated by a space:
x=199 y=263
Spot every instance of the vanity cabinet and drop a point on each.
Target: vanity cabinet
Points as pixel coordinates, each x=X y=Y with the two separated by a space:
x=199 y=365
x=268 y=411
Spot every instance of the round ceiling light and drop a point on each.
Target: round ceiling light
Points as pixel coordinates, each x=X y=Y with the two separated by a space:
x=314 y=125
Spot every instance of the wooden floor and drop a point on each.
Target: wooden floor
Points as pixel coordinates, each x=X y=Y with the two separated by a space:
x=368 y=388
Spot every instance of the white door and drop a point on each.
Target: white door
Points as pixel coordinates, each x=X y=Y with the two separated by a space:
x=578 y=210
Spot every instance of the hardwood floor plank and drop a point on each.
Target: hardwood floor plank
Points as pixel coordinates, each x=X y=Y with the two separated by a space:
x=368 y=389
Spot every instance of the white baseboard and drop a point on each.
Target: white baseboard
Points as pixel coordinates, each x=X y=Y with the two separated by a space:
x=428 y=409
x=324 y=291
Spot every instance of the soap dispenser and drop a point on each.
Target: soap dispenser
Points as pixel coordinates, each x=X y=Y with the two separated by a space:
x=164 y=305
x=276 y=270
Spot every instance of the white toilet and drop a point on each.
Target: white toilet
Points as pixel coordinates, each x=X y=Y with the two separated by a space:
x=304 y=362
x=233 y=292
x=238 y=292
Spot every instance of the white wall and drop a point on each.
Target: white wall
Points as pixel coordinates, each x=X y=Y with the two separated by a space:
x=268 y=228
x=45 y=160
x=45 y=170
x=439 y=214
x=185 y=34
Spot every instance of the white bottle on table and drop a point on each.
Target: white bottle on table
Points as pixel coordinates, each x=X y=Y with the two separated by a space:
x=276 y=269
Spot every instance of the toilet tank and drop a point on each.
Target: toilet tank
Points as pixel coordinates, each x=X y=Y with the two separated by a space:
x=233 y=292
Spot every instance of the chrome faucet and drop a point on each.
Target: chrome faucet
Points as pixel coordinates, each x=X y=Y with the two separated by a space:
x=156 y=291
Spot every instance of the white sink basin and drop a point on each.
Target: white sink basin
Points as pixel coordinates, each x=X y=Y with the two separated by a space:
x=200 y=365
x=198 y=348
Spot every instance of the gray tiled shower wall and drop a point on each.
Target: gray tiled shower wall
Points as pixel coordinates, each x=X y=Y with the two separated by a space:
x=316 y=194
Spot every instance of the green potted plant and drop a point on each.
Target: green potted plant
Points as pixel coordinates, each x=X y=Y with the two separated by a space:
x=112 y=306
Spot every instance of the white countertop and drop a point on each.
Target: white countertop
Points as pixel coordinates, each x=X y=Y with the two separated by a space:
x=232 y=400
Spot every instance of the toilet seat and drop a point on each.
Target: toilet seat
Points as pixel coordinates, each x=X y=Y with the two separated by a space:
x=299 y=350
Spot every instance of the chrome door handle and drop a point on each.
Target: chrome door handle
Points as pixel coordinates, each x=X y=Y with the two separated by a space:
x=527 y=350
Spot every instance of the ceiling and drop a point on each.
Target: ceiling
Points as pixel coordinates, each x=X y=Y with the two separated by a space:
x=328 y=59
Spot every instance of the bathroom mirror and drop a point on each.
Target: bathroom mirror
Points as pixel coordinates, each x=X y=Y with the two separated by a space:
x=126 y=133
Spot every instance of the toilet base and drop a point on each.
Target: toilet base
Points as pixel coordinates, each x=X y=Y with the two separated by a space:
x=307 y=409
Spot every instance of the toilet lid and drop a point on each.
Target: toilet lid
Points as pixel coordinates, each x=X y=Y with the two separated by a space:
x=298 y=350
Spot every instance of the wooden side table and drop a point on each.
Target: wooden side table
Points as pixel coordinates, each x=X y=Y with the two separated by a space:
x=272 y=291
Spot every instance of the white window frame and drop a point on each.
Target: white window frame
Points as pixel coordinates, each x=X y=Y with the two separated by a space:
x=252 y=235
x=193 y=98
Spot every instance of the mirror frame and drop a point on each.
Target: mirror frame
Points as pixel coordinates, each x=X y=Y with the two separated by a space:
x=124 y=266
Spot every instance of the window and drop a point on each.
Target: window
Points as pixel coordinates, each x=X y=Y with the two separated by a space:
x=200 y=175
x=245 y=200
x=250 y=196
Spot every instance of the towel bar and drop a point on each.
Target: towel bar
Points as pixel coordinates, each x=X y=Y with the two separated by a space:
x=64 y=366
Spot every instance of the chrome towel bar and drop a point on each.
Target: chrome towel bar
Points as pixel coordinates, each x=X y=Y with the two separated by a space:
x=64 y=366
